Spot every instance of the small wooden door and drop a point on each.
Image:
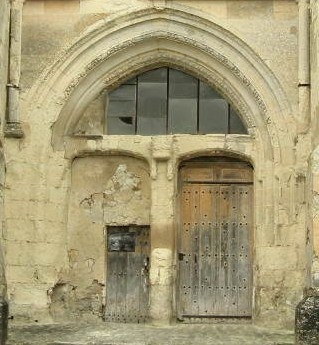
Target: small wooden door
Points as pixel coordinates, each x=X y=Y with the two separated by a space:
x=127 y=285
x=215 y=240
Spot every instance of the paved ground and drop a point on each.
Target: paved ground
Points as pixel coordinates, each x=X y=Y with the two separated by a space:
x=134 y=334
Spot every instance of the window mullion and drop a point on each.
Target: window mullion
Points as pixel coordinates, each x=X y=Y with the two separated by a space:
x=228 y=120
x=198 y=86
x=167 y=100
x=136 y=104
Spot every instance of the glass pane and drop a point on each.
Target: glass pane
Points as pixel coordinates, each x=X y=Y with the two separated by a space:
x=236 y=124
x=151 y=126
x=182 y=114
x=205 y=91
x=121 y=108
x=123 y=93
x=152 y=100
x=131 y=81
x=120 y=125
x=213 y=116
x=122 y=102
x=152 y=107
x=182 y=85
x=182 y=103
x=154 y=76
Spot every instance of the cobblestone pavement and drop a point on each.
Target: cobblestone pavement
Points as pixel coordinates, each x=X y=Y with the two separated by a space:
x=134 y=334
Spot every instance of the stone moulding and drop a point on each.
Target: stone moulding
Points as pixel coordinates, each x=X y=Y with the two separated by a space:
x=13 y=130
x=129 y=44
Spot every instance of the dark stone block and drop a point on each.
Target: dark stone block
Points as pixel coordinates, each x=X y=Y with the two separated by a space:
x=307 y=319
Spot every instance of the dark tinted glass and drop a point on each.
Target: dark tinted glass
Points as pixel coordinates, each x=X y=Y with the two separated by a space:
x=236 y=124
x=213 y=111
x=213 y=116
x=122 y=101
x=164 y=101
x=182 y=85
x=158 y=75
x=123 y=93
x=120 y=125
x=182 y=115
x=152 y=102
x=182 y=103
x=206 y=92
x=132 y=81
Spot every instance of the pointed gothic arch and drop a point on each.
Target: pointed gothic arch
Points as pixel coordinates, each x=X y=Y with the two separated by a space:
x=120 y=47
x=111 y=52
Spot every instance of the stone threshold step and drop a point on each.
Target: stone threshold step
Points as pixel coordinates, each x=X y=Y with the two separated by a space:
x=140 y=343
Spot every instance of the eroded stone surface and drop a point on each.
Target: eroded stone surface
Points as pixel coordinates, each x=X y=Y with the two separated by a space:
x=62 y=191
x=307 y=319
x=110 y=333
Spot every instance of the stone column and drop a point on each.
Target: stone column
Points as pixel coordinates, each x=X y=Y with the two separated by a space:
x=307 y=311
x=304 y=64
x=162 y=234
x=13 y=127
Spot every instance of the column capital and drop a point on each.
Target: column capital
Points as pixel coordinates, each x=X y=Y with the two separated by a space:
x=18 y=4
x=13 y=130
x=159 y=4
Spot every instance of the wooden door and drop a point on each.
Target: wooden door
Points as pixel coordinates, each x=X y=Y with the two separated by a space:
x=127 y=284
x=215 y=241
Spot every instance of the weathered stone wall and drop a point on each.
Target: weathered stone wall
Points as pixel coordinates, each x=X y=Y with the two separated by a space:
x=4 y=49
x=101 y=188
x=55 y=193
x=314 y=254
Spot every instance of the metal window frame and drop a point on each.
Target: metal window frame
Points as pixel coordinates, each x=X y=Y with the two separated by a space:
x=135 y=117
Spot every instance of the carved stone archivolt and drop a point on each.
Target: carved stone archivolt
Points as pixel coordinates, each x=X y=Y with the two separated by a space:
x=121 y=47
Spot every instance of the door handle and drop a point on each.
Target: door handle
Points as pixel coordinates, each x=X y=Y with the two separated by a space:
x=146 y=265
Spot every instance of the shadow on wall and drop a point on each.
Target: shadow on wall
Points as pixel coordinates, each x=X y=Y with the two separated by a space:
x=4 y=309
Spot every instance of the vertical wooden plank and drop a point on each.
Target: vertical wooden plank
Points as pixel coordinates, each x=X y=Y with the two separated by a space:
x=132 y=281
x=133 y=287
x=144 y=263
x=244 y=260
x=215 y=233
x=228 y=271
x=111 y=287
x=233 y=262
x=205 y=273
x=223 y=262
x=195 y=224
x=121 y=287
x=185 y=252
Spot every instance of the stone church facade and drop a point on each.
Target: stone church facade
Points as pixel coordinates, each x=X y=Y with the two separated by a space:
x=142 y=225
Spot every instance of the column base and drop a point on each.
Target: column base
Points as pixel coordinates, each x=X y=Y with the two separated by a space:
x=307 y=318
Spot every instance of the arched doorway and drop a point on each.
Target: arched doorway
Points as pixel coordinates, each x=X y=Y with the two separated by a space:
x=214 y=238
x=145 y=40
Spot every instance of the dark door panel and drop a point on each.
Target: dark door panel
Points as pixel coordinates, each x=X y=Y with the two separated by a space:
x=127 y=284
